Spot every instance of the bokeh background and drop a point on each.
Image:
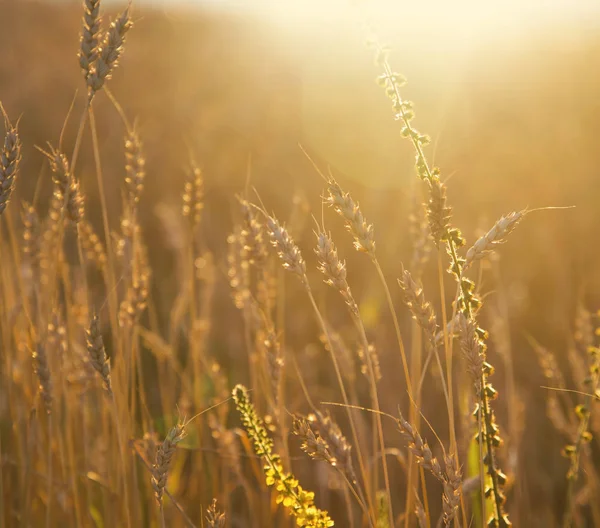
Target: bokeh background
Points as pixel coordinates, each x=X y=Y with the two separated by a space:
x=509 y=93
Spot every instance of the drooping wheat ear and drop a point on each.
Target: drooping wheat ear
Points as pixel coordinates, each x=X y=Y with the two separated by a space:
x=108 y=53
x=10 y=156
x=334 y=269
x=349 y=210
x=135 y=167
x=97 y=352
x=287 y=250
x=136 y=299
x=494 y=237
x=42 y=371
x=214 y=517
x=66 y=186
x=193 y=196
x=472 y=348
x=92 y=245
x=253 y=234
x=164 y=455
x=421 y=310
x=31 y=231
x=298 y=501
x=449 y=475
x=88 y=49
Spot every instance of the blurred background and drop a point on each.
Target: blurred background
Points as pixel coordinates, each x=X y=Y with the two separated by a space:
x=508 y=91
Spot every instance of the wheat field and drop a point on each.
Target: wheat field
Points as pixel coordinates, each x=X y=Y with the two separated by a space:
x=244 y=285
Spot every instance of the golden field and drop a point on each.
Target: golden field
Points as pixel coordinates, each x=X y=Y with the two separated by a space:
x=185 y=317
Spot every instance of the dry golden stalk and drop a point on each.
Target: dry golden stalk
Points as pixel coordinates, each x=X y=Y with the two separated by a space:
x=42 y=370
x=494 y=237
x=164 y=455
x=193 y=197
x=10 y=156
x=334 y=269
x=97 y=352
x=109 y=53
x=356 y=224
x=215 y=518
x=88 y=49
x=134 y=167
